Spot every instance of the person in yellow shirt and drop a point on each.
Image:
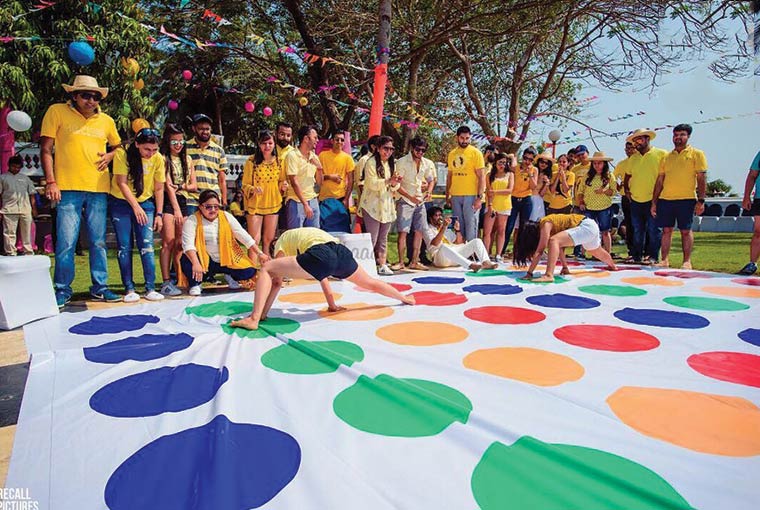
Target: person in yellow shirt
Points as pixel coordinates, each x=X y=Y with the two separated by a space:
x=626 y=228
x=77 y=178
x=561 y=188
x=337 y=183
x=304 y=172
x=309 y=252
x=526 y=180
x=501 y=181
x=465 y=182
x=640 y=176
x=580 y=169
x=595 y=196
x=679 y=193
x=135 y=204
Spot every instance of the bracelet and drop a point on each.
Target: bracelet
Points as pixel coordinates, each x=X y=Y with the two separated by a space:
x=159 y=215
x=48 y=183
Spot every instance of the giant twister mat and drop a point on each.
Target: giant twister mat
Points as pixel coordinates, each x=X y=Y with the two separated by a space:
x=603 y=391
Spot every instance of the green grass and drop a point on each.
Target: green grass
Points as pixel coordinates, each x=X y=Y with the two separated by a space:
x=720 y=252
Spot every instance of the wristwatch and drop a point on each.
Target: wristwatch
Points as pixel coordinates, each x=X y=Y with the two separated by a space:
x=480 y=196
x=160 y=214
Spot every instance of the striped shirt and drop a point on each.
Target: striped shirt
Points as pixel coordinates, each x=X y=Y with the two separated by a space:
x=208 y=163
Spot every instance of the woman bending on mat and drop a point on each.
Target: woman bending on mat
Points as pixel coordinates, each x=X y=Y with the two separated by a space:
x=309 y=252
x=558 y=231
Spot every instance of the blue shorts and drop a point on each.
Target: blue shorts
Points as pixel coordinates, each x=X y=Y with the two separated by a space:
x=328 y=259
x=670 y=212
x=602 y=218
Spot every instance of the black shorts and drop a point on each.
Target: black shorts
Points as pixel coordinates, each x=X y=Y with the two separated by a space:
x=182 y=201
x=755 y=210
x=328 y=259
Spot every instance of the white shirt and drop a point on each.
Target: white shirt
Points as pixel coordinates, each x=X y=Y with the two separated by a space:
x=211 y=234
x=412 y=178
x=430 y=233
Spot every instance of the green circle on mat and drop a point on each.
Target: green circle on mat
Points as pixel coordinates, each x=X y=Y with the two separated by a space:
x=557 y=279
x=613 y=290
x=270 y=327
x=533 y=474
x=705 y=303
x=220 y=308
x=304 y=357
x=389 y=406
x=487 y=272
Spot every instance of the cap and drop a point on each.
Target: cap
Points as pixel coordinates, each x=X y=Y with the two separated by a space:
x=581 y=148
x=201 y=117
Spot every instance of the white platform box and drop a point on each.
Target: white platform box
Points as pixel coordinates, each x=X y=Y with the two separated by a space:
x=361 y=247
x=26 y=290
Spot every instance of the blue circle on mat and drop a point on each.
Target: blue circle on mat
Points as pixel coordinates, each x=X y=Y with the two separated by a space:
x=165 y=389
x=563 y=301
x=662 y=318
x=751 y=336
x=437 y=280
x=218 y=465
x=138 y=348
x=489 y=289
x=115 y=324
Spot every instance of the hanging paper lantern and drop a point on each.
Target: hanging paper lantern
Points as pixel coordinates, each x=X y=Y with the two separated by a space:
x=130 y=65
x=249 y=106
x=139 y=124
x=267 y=111
x=187 y=74
x=303 y=101
x=18 y=120
x=173 y=105
x=81 y=53
x=139 y=84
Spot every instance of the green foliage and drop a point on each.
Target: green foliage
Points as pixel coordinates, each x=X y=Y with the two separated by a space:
x=718 y=187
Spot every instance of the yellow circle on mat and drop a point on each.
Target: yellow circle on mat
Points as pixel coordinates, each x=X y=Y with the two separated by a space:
x=359 y=312
x=422 y=333
x=651 y=280
x=306 y=298
x=748 y=292
x=590 y=273
x=299 y=282
x=725 y=425
x=534 y=366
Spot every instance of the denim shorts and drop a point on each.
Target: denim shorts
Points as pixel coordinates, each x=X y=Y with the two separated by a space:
x=670 y=212
x=603 y=218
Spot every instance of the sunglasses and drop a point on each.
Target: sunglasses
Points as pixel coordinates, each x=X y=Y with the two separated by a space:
x=420 y=149
x=339 y=140
x=389 y=149
x=91 y=95
x=527 y=158
x=177 y=143
x=211 y=207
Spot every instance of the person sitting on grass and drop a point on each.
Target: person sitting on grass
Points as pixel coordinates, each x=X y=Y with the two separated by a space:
x=210 y=245
x=558 y=231
x=310 y=252
x=446 y=248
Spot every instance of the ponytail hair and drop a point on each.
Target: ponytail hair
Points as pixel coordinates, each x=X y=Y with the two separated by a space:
x=526 y=243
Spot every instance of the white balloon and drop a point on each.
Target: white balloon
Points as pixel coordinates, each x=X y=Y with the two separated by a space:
x=18 y=120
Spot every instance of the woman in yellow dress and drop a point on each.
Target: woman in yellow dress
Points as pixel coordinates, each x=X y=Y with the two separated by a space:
x=264 y=184
x=499 y=186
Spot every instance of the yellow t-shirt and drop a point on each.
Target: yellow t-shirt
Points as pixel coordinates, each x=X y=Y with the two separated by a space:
x=77 y=144
x=580 y=170
x=501 y=202
x=522 y=181
x=621 y=169
x=680 y=171
x=341 y=164
x=304 y=173
x=153 y=171
x=462 y=165
x=597 y=201
x=558 y=201
x=643 y=171
x=561 y=222
x=282 y=152
x=296 y=241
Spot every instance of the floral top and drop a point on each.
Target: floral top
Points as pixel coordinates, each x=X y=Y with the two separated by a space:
x=377 y=197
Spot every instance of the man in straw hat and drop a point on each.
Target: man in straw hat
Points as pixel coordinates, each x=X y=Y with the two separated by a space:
x=640 y=177
x=85 y=141
x=679 y=193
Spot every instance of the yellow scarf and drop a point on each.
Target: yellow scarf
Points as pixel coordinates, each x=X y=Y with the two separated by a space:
x=230 y=253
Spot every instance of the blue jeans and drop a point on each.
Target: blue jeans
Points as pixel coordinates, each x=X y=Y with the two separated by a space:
x=523 y=207
x=214 y=268
x=646 y=235
x=68 y=223
x=602 y=218
x=124 y=223
x=461 y=207
x=296 y=217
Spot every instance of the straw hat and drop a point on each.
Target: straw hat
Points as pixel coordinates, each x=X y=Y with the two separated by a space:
x=84 y=82
x=599 y=156
x=545 y=155
x=641 y=132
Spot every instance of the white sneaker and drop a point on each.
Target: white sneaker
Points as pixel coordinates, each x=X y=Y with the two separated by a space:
x=153 y=296
x=231 y=282
x=195 y=290
x=499 y=260
x=385 y=270
x=131 y=297
x=169 y=289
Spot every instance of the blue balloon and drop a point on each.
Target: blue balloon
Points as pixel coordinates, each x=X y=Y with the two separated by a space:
x=81 y=53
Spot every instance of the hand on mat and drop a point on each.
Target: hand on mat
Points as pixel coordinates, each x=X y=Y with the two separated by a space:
x=336 y=308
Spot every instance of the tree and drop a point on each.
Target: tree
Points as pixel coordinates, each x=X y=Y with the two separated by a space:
x=718 y=188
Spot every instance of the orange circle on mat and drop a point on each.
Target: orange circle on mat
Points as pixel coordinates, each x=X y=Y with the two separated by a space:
x=359 y=312
x=299 y=282
x=703 y=422
x=590 y=273
x=422 y=333
x=306 y=298
x=748 y=292
x=533 y=366
x=652 y=280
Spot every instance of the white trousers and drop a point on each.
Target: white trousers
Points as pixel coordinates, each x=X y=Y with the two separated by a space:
x=457 y=254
